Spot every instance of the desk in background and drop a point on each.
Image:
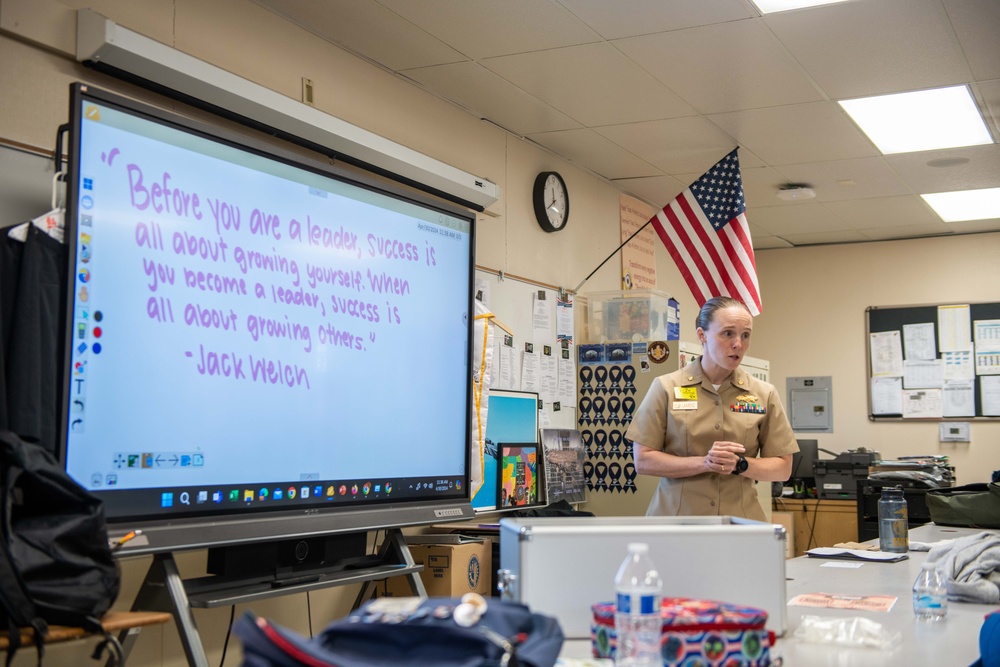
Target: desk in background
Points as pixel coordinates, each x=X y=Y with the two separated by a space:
x=819 y=523
x=953 y=642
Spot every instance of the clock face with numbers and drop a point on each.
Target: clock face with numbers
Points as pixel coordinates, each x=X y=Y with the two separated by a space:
x=551 y=201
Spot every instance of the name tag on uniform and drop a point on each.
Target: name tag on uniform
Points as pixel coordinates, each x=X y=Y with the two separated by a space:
x=685 y=405
x=686 y=393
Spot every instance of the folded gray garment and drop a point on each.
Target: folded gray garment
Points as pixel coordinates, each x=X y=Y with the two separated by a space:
x=927 y=546
x=972 y=566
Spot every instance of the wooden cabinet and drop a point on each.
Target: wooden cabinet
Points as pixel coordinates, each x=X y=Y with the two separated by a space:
x=819 y=523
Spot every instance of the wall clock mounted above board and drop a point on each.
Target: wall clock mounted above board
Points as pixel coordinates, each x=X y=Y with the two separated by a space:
x=551 y=201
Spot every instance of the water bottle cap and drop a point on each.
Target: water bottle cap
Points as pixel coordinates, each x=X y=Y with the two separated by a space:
x=638 y=548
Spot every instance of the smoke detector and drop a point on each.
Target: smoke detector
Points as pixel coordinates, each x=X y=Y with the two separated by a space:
x=795 y=192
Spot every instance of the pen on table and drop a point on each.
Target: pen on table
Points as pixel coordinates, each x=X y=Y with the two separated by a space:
x=126 y=537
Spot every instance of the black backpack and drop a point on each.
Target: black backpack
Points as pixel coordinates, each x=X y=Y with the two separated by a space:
x=56 y=565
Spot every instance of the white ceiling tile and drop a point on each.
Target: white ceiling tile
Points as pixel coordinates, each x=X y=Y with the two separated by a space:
x=759 y=186
x=627 y=18
x=982 y=170
x=676 y=145
x=854 y=49
x=594 y=152
x=657 y=191
x=396 y=44
x=871 y=177
x=883 y=212
x=628 y=110
x=818 y=131
x=486 y=28
x=990 y=93
x=804 y=218
x=478 y=89
x=593 y=84
x=739 y=65
x=977 y=23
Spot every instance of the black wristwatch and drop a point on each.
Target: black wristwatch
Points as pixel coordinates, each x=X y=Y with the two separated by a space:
x=741 y=466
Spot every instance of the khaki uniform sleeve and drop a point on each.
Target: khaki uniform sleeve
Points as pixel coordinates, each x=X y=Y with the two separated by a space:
x=649 y=423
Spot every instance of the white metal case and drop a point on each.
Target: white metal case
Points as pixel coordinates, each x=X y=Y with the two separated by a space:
x=560 y=566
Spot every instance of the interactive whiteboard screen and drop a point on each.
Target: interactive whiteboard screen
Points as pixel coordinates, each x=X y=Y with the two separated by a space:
x=250 y=332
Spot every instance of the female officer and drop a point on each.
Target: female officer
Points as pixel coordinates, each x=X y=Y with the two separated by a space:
x=710 y=430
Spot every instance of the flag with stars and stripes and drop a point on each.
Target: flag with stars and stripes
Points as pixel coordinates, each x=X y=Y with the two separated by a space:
x=706 y=232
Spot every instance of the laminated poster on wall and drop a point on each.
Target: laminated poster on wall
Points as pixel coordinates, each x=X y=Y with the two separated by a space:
x=564 y=458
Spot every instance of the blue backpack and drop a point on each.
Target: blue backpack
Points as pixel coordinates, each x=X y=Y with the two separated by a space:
x=427 y=636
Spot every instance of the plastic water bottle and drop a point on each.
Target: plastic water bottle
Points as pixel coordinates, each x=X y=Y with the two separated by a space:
x=930 y=594
x=893 y=527
x=638 y=625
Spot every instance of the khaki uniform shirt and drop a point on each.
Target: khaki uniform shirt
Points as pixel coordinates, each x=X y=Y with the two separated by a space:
x=683 y=414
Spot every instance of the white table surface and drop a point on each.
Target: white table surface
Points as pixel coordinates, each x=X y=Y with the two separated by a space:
x=952 y=642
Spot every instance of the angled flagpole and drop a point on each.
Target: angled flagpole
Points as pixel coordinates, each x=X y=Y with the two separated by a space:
x=624 y=243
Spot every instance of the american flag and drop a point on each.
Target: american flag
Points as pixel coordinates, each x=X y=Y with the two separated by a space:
x=706 y=232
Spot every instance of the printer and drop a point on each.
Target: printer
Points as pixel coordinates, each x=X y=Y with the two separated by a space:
x=838 y=478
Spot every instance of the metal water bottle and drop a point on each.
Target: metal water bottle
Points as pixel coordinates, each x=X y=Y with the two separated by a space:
x=893 y=528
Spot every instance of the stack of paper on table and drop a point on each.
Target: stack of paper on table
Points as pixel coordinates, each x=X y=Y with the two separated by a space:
x=856 y=554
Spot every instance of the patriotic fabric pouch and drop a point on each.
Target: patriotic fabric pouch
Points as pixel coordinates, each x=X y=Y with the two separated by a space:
x=696 y=632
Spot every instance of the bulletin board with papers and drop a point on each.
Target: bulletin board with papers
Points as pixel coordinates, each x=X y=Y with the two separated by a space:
x=934 y=362
x=533 y=346
x=527 y=350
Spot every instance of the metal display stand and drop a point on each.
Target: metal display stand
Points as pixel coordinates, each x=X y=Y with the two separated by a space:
x=163 y=589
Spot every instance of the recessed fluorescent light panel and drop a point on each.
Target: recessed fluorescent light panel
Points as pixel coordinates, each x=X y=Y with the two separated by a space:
x=923 y=120
x=966 y=204
x=771 y=6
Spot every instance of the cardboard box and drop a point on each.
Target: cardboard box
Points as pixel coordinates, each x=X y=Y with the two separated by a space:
x=453 y=566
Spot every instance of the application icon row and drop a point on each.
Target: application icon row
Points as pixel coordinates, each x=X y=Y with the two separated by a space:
x=273 y=493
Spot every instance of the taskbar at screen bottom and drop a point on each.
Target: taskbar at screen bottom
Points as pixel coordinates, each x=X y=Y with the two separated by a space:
x=235 y=498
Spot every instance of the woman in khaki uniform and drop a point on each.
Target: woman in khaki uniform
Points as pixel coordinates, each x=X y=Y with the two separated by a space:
x=711 y=430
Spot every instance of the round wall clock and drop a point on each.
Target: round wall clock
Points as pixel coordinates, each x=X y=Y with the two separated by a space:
x=551 y=201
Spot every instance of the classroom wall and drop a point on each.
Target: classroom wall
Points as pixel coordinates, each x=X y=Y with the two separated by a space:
x=814 y=298
x=813 y=324
x=37 y=43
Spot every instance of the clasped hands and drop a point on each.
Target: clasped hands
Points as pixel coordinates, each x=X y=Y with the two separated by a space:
x=723 y=455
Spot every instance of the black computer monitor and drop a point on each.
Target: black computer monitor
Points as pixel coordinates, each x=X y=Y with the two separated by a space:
x=803 y=460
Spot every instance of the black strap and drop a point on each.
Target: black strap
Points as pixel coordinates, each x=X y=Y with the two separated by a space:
x=41 y=632
x=14 y=640
x=113 y=647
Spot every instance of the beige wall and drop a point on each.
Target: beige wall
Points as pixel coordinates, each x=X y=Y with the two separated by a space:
x=814 y=298
x=813 y=323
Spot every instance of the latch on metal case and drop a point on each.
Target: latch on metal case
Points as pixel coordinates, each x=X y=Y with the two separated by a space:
x=506 y=585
